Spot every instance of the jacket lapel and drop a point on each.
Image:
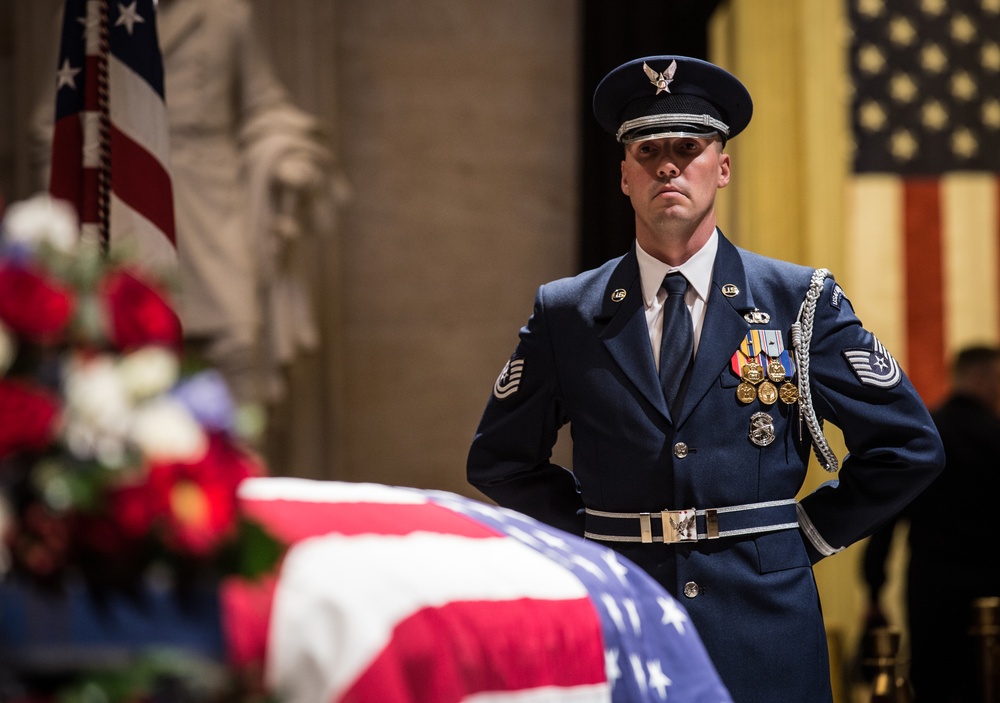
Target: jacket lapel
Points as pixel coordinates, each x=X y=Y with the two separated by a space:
x=625 y=334
x=724 y=326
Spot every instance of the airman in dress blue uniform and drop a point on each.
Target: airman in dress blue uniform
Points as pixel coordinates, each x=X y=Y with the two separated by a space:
x=693 y=423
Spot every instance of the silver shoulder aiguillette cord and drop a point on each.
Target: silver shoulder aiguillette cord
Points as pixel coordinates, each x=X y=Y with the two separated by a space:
x=802 y=331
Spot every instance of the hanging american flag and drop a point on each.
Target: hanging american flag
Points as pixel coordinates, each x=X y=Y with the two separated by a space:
x=401 y=595
x=110 y=146
x=926 y=124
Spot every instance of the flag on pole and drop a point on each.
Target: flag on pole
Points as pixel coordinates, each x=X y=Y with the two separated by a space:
x=926 y=125
x=110 y=143
x=403 y=595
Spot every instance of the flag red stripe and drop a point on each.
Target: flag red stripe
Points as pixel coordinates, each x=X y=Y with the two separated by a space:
x=291 y=521
x=924 y=281
x=89 y=207
x=246 y=617
x=91 y=101
x=142 y=182
x=66 y=177
x=554 y=643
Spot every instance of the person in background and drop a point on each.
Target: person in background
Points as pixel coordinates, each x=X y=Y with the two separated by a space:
x=688 y=455
x=950 y=565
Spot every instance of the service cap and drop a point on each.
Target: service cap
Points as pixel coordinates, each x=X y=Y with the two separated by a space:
x=671 y=96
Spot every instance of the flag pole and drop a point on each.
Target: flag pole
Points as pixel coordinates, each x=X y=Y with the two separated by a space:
x=104 y=129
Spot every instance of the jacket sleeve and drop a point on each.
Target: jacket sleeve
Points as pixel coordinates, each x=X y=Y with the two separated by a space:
x=510 y=457
x=894 y=450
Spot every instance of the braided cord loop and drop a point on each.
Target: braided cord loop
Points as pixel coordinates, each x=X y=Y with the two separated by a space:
x=802 y=331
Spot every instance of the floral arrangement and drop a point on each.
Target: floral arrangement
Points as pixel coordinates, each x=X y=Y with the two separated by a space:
x=115 y=454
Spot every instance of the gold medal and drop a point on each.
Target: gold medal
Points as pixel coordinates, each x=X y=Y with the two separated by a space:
x=776 y=370
x=788 y=393
x=745 y=392
x=752 y=372
x=767 y=393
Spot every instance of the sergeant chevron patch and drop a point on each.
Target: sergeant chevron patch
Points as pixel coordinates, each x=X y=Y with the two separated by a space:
x=509 y=379
x=875 y=366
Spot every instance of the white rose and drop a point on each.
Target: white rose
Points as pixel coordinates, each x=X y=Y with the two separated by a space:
x=96 y=395
x=164 y=430
x=42 y=219
x=97 y=410
x=8 y=349
x=149 y=371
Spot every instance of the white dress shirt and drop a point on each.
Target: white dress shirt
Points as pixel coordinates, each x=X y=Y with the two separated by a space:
x=697 y=270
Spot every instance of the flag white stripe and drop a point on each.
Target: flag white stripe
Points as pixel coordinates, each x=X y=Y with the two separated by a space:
x=874 y=280
x=91 y=123
x=969 y=207
x=339 y=598
x=139 y=240
x=92 y=32
x=138 y=111
x=597 y=693
x=301 y=489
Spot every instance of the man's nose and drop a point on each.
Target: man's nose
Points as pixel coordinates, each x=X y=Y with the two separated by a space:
x=667 y=168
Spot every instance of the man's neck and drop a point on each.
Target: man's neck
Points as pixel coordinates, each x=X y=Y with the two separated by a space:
x=675 y=245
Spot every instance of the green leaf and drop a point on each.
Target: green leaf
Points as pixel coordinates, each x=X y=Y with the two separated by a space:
x=255 y=551
x=260 y=550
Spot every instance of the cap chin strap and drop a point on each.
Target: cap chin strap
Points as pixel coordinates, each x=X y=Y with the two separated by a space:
x=667 y=120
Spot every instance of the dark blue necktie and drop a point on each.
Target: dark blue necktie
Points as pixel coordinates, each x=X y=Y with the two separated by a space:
x=677 y=342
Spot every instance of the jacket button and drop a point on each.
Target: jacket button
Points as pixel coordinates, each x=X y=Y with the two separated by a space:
x=680 y=450
x=691 y=589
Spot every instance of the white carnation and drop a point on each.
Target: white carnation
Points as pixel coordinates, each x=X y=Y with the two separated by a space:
x=42 y=219
x=149 y=371
x=98 y=408
x=164 y=430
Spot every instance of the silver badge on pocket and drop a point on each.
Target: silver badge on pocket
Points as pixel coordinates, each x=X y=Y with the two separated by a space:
x=761 y=429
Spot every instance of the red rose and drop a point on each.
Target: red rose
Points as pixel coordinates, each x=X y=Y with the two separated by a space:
x=32 y=305
x=200 y=497
x=135 y=508
x=27 y=417
x=138 y=314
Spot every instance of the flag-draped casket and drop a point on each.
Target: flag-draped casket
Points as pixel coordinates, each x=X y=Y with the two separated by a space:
x=395 y=594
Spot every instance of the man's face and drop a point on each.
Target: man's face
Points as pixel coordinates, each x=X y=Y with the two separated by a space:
x=673 y=181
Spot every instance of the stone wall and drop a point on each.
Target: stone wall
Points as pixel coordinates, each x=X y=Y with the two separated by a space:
x=458 y=130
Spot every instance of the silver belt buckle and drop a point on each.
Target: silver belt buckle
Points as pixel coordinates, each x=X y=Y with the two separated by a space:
x=679 y=526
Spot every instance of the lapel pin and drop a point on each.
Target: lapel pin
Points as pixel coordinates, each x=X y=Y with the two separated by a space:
x=730 y=291
x=618 y=295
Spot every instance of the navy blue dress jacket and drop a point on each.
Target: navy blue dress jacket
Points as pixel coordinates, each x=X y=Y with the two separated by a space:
x=585 y=358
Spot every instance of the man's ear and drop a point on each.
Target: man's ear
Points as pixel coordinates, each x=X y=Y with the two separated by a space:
x=624 y=180
x=723 y=170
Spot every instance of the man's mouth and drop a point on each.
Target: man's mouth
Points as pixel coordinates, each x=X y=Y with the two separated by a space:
x=667 y=190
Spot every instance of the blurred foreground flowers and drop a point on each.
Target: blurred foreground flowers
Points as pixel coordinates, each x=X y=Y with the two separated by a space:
x=115 y=456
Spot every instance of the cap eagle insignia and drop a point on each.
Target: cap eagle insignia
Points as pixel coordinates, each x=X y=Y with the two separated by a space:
x=661 y=80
